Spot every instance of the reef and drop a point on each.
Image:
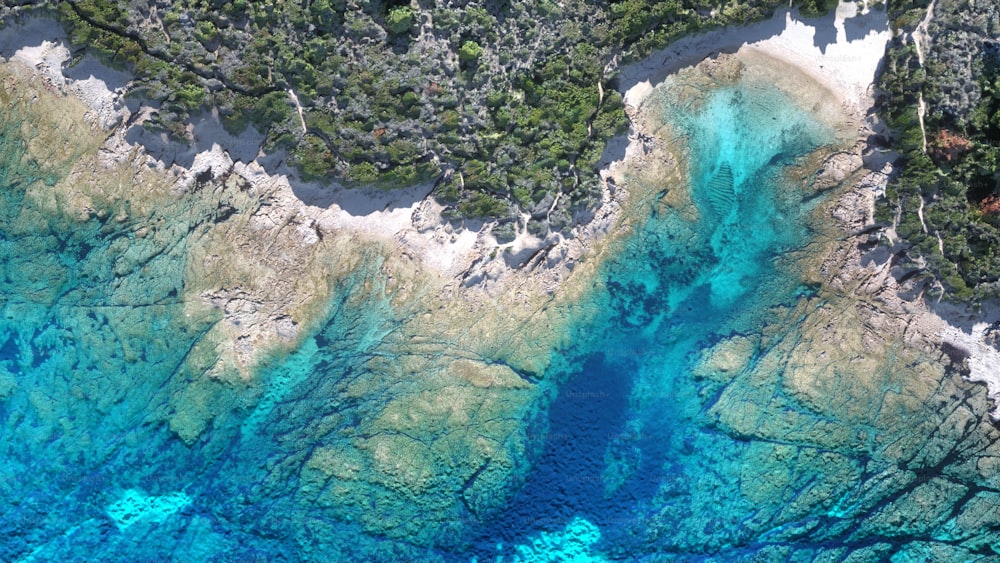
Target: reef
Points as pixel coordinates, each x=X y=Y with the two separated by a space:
x=202 y=318
x=721 y=363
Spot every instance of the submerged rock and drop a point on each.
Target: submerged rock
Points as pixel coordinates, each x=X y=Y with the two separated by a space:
x=812 y=416
x=161 y=326
x=265 y=382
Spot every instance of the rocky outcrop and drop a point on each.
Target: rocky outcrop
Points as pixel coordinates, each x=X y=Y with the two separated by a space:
x=252 y=315
x=838 y=423
x=855 y=387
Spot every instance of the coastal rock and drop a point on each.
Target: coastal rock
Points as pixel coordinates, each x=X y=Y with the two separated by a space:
x=838 y=168
x=859 y=388
x=356 y=381
x=274 y=328
x=835 y=424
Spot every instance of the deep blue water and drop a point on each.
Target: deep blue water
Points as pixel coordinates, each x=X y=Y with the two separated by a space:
x=630 y=457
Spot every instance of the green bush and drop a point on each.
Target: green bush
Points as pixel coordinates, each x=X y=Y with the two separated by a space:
x=314 y=160
x=191 y=96
x=482 y=205
x=399 y=20
x=363 y=173
x=469 y=52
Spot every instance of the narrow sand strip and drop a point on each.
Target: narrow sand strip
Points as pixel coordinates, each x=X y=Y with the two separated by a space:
x=841 y=51
x=407 y=216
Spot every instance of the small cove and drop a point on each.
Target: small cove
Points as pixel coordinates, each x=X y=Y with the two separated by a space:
x=631 y=418
x=687 y=426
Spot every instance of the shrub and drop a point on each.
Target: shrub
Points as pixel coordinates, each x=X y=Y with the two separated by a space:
x=399 y=20
x=470 y=52
x=363 y=173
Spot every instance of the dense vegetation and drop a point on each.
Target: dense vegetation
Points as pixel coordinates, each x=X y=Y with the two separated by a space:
x=944 y=201
x=506 y=104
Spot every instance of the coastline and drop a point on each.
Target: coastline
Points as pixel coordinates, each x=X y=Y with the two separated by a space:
x=291 y=224
x=409 y=218
x=468 y=262
x=426 y=360
x=846 y=68
x=846 y=65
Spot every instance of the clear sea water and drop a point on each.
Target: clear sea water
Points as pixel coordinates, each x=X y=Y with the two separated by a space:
x=636 y=464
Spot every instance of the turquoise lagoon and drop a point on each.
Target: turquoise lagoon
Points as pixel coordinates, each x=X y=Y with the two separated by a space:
x=642 y=452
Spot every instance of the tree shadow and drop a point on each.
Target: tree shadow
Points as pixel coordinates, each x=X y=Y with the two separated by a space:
x=691 y=50
x=206 y=131
x=358 y=201
x=90 y=68
x=30 y=32
x=825 y=30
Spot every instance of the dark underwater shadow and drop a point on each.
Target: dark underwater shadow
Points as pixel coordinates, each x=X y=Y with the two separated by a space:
x=585 y=419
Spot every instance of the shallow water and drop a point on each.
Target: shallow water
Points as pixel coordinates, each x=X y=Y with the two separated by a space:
x=630 y=419
x=722 y=416
x=649 y=449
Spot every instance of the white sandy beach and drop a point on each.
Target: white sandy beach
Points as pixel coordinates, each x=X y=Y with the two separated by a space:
x=844 y=62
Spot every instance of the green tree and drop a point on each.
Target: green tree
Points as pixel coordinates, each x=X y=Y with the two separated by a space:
x=470 y=52
x=399 y=20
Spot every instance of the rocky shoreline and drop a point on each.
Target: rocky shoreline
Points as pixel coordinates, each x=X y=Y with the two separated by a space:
x=471 y=265
x=863 y=257
x=470 y=262
x=463 y=331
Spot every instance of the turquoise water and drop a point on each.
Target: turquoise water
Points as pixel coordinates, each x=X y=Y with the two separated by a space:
x=637 y=452
x=631 y=419
x=651 y=457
